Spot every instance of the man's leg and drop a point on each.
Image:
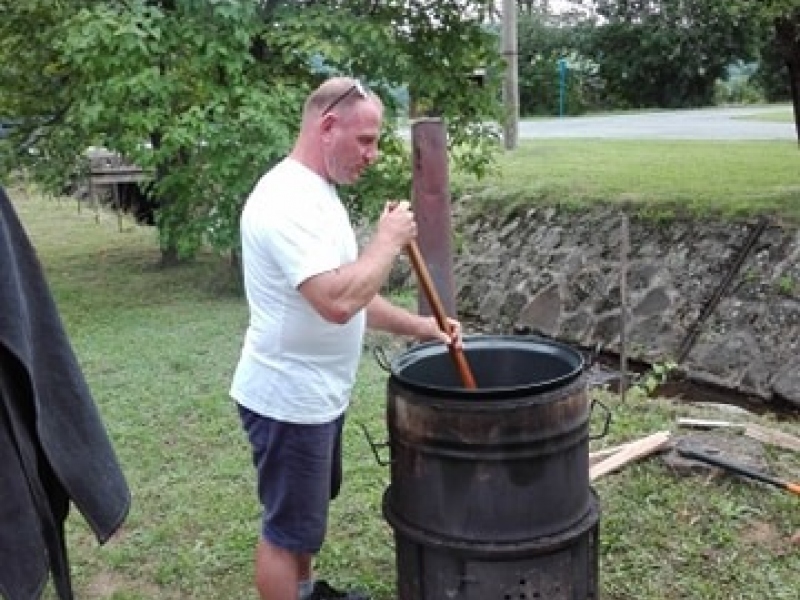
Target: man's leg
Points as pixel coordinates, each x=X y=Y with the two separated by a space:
x=298 y=472
x=279 y=571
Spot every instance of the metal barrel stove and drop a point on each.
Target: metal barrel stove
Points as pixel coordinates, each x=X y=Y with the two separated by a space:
x=489 y=497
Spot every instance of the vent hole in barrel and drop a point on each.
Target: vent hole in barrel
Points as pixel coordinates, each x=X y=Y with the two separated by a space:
x=524 y=593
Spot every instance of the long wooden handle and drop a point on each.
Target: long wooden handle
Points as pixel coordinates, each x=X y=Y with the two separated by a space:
x=439 y=312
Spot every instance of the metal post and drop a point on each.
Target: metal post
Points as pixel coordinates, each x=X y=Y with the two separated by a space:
x=431 y=199
x=511 y=87
x=117 y=204
x=562 y=81
x=623 y=309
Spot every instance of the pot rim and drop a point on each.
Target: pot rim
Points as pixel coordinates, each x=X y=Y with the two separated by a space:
x=573 y=358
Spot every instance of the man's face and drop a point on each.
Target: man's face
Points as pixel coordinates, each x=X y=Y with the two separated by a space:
x=351 y=141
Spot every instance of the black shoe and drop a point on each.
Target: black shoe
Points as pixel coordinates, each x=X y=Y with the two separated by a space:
x=323 y=591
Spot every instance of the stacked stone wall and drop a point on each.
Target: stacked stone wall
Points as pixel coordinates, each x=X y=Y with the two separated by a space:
x=720 y=297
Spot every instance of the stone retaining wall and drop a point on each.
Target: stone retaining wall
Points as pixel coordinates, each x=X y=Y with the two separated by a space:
x=721 y=298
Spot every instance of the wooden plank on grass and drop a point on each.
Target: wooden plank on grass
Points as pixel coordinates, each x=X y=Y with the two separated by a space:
x=773 y=437
x=598 y=455
x=709 y=424
x=630 y=452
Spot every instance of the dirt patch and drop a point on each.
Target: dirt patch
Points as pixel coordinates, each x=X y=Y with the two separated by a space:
x=767 y=537
x=108 y=584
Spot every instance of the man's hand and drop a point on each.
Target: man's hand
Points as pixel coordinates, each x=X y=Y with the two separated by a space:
x=396 y=225
x=430 y=331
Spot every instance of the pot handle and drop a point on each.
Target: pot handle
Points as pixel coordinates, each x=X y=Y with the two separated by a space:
x=380 y=357
x=606 y=421
x=592 y=356
x=376 y=447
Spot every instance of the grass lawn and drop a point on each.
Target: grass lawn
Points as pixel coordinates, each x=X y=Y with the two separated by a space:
x=158 y=347
x=730 y=178
x=784 y=115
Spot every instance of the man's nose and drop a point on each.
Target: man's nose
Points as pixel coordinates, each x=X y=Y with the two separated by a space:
x=372 y=155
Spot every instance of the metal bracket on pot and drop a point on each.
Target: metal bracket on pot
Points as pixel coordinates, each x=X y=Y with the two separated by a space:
x=375 y=446
x=380 y=357
x=606 y=423
x=593 y=355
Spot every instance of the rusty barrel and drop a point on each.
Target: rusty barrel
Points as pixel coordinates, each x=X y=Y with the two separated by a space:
x=489 y=494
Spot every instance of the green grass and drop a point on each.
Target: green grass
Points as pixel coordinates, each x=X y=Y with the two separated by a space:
x=158 y=347
x=728 y=179
x=781 y=113
x=777 y=116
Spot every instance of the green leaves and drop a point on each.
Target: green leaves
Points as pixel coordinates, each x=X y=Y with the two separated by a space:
x=206 y=93
x=669 y=53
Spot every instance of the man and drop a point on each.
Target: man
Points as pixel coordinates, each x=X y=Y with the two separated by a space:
x=311 y=294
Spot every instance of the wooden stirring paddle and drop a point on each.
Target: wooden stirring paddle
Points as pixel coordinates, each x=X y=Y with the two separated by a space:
x=464 y=371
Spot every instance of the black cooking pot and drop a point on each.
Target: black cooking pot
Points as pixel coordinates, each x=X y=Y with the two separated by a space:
x=503 y=464
x=504 y=366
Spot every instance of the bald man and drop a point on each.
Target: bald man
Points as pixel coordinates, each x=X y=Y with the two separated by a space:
x=311 y=295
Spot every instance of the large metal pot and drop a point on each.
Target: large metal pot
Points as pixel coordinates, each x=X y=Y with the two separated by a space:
x=502 y=463
x=499 y=473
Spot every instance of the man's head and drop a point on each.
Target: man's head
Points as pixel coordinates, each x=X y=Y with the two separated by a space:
x=341 y=129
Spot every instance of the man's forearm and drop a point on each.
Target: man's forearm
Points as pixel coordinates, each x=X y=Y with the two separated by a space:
x=385 y=316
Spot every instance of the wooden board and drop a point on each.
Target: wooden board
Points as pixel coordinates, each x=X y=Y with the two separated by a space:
x=629 y=453
x=773 y=437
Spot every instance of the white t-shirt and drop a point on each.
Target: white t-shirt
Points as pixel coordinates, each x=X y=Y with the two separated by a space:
x=295 y=366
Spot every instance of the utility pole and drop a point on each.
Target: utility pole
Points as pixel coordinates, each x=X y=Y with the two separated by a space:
x=511 y=84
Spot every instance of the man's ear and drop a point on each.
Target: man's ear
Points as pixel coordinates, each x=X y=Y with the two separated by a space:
x=326 y=123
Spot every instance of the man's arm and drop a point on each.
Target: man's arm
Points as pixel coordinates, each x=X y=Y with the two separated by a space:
x=383 y=315
x=339 y=294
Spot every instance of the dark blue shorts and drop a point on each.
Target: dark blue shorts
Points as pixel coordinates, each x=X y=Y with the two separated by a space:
x=299 y=470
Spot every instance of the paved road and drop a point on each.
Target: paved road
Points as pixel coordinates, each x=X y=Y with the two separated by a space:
x=700 y=124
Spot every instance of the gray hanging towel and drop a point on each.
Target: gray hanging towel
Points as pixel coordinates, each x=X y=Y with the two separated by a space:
x=54 y=449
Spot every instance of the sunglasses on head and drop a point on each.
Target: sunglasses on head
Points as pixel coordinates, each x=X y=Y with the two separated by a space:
x=357 y=87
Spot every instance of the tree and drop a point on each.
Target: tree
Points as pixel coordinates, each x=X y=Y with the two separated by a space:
x=771 y=73
x=785 y=17
x=668 y=53
x=206 y=93
x=543 y=43
x=656 y=42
